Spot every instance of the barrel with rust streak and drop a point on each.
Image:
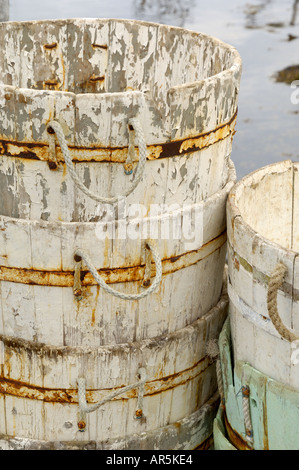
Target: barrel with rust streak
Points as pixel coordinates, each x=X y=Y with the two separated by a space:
x=263 y=241
x=39 y=399
x=92 y=76
x=40 y=298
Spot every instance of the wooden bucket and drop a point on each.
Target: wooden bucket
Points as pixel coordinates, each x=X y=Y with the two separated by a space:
x=48 y=296
x=263 y=245
x=257 y=412
x=91 y=77
x=170 y=405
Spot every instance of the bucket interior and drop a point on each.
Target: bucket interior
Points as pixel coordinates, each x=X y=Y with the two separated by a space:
x=93 y=56
x=268 y=201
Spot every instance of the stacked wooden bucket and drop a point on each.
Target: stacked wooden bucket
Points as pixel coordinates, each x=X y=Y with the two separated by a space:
x=261 y=390
x=103 y=328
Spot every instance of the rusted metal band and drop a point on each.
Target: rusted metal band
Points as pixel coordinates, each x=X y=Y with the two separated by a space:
x=234 y=437
x=112 y=275
x=40 y=151
x=70 y=396
x=206 y=444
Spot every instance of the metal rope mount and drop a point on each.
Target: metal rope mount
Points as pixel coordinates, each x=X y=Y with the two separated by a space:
x=135 y=129
x=84 y=408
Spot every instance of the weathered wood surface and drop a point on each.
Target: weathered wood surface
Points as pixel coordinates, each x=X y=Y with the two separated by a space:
x=262 y=227
x=38 y=387
x=30 y=190
x=4 y=10
x=191 y=432
x=92 y=76
x=184 y=90
x=37 y=278
x=273 y=405
x=220 y=438
x=166 y=65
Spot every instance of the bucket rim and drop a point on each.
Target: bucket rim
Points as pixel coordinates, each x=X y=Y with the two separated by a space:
x=236 y=60
x=234 y=212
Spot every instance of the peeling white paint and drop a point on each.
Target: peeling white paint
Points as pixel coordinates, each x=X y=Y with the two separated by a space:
x=84 y=74
x=191 y=97
x=262 y=211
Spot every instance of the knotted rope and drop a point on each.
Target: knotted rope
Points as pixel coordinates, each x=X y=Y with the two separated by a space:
x=246 y=414
x=56 y=127
x=79 y=254
x=275 y=283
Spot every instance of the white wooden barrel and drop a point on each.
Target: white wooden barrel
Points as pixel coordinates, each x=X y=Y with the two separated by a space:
x=91 y=76
x=40 y=405
x=263 y=246
x=39 y=289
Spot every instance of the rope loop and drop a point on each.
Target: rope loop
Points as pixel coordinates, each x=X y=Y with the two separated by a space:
x=212 y=351
x=135 y=124
x=275 y=283
x=80 y=255
x=85 y=408
x=246 y=414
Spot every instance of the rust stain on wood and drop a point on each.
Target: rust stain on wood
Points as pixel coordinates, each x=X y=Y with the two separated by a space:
x=206 y=444
x=97 y=78
x=110 y=275
x=209 y=138
x=234 y=437
x=53 y=45
x=236 y=264
x=52 y=84
x=40 y=151
x=53 y=395
x=265 y=426
x=94 y=308
x=99 y=46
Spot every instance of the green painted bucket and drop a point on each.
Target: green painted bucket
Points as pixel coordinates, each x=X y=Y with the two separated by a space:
x=257 y=412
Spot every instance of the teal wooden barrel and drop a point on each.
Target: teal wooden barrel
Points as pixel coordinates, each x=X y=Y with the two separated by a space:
x=257 y=412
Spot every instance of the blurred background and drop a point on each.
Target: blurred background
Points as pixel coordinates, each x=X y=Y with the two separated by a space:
x=266 y=34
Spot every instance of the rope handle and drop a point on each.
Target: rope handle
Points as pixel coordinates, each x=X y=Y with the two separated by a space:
x=134 y=125
x=80 y=255
x=213 y=352
x=275 y=283
x=85 y=408
x=246 y=414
